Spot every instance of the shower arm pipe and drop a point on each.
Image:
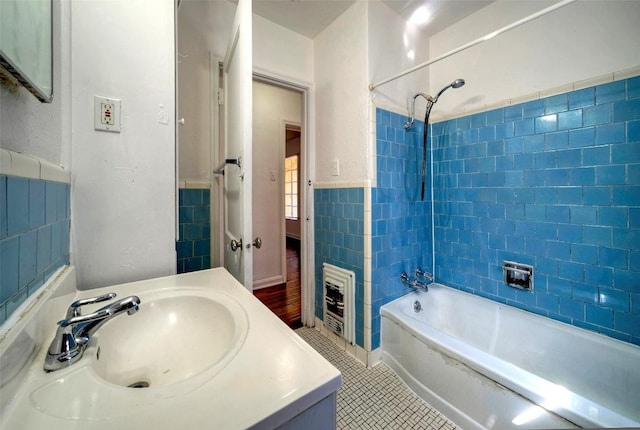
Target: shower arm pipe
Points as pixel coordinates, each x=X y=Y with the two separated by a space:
x=484 y=38
x=412 y=118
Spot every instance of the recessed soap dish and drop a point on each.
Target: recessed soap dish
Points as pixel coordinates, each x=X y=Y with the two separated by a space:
x=518 y=275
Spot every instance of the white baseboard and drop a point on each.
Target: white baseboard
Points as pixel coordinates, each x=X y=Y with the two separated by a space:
x=269 y=282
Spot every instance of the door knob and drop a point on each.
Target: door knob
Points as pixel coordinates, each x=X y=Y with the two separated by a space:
x=235 y=245
x=257 y=242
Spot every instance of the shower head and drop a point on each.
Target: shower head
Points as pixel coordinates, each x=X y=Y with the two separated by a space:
x=455 y=84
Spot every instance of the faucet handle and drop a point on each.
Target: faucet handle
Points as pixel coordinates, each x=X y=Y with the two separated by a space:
x=422 y=274
x=100 y=313
x=74 y=308
x=406 y=279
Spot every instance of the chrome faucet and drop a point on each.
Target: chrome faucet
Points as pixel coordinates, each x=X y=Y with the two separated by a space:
x=412 y=282
x=425 y=275
x=75 y=331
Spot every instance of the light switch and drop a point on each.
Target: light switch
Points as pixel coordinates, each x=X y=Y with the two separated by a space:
x=335 y=167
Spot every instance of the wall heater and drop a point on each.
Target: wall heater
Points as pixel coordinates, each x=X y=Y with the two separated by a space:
x=339 y=301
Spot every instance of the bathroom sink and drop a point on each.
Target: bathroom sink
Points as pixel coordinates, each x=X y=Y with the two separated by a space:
x=171 y=340
x=177 y=341
x=186 y=359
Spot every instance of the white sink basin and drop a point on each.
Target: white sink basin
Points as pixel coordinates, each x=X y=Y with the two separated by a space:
x=169 y=340
x=195 y=340
x=176 y=342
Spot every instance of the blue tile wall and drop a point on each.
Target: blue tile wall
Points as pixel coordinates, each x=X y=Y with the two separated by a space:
x=554 y=183
x=194 y=247
x=400 y=219
x=339 y=240
x=34 y=236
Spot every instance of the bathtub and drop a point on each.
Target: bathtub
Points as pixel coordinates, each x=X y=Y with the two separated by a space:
x=487 y=365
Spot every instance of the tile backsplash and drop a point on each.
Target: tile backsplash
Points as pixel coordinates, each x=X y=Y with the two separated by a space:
x=400 y=217
x=554 y=183
x=194 y=244
x=34 y=233
x=339 y=240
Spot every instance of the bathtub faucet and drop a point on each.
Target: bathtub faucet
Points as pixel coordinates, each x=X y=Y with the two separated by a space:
x=412 y=282
x=75 y=331
x=424 y=275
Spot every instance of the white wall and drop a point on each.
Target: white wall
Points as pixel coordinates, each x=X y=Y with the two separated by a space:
x=197 y=21
x=204 y=27
x=123 y=195
x=367 y=43
x=42 y=129
x=282 y=52
x=123 y=198
x=271 y=107
x=582 y=40
x=390 y=40
x=342 y=97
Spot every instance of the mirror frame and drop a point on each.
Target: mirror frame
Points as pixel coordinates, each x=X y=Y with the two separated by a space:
x=10 y=60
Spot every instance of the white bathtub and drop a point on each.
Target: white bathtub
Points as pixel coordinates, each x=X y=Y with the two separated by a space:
x=487 y=365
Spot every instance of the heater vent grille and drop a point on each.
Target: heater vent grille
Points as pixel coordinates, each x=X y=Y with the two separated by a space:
x=338 y=294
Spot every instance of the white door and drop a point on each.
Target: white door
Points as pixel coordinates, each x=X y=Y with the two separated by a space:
x=238 y=119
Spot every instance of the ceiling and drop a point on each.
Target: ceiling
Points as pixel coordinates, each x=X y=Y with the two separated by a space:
x=310 y=17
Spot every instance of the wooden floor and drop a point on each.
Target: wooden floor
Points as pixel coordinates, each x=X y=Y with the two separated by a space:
x=284 y=299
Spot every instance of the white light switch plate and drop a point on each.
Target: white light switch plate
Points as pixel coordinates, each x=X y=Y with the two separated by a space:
x=106 y=114
x=335 y=167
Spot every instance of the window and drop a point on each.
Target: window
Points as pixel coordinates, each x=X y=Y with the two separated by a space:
x=291 y=187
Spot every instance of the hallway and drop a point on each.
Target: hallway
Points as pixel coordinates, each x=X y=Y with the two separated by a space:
x=284 y=300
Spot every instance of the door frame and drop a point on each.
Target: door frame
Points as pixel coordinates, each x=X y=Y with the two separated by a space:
x=216 y=154
x=307 y=179
x=299 y=127
x=271 y=274
x=307 y=250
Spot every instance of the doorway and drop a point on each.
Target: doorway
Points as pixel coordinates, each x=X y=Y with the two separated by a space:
x=269 y=199
x=201 y=102
x=285 y=300
x=278 y=206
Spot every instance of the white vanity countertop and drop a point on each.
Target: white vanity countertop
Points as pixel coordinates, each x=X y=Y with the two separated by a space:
x=274 y=377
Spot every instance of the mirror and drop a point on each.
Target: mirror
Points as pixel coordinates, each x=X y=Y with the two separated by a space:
x=26 y=44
